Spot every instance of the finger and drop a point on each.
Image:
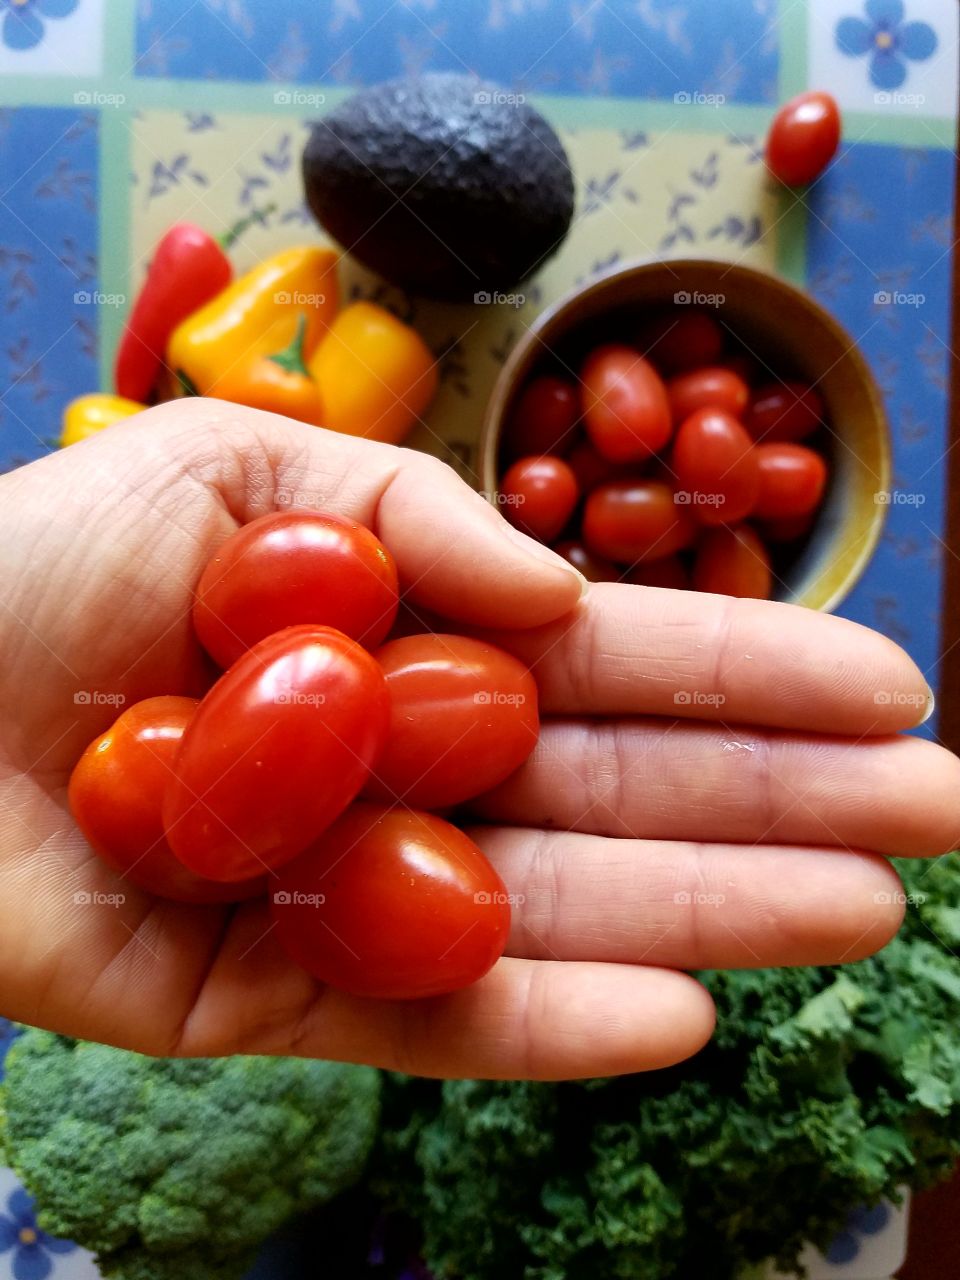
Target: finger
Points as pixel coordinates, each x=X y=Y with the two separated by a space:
x=457 y=556
x=524 y=1020
x=693 y=780
x=86 y=954
x=453 y=550
x=644 y=650
x=691 y=906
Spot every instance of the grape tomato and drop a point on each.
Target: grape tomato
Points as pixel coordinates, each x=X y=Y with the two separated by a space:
x=292 y=568
x=463 y=716
x=275 y=752
x=392 y=904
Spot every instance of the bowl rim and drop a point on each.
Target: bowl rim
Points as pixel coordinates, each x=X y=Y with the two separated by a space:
x=520 y=358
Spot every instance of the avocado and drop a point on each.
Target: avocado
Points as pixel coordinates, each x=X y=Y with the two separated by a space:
x=444 y=184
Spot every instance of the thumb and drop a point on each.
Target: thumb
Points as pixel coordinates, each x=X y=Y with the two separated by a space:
x=459 y=557
x=455 y=554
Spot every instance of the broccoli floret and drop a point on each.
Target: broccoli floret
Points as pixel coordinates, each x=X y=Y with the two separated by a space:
x=179 y=1167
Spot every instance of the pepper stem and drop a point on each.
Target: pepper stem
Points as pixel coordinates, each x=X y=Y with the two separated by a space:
x=291 y=358
x=229 y=238
x=185 y=383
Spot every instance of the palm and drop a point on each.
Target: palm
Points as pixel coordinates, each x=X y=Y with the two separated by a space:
x=113 y=628
x=103 y=545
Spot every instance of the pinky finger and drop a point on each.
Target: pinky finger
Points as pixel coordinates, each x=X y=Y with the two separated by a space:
x=527 y=1019
x=551 y=1020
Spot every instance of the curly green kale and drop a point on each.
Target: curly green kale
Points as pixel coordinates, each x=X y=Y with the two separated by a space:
x=179 y=1167
x=823 y=1088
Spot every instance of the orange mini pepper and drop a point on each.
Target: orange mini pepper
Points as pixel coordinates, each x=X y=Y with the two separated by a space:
x=256 y=315
x=279 y=383
x=376 y=374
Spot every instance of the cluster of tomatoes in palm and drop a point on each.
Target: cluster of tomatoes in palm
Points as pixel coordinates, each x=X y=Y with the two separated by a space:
x=682 y=468
x=309 y=770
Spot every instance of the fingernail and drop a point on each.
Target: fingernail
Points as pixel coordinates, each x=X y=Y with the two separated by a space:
x=931 y=706
x=534 y=548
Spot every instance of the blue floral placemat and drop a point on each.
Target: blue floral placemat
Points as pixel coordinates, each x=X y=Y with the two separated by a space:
x=117 y=118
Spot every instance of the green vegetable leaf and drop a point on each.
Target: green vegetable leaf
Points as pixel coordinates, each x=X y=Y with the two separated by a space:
x=823 y=1089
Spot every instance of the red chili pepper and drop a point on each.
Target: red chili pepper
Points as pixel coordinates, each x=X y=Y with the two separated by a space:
x=189 y=268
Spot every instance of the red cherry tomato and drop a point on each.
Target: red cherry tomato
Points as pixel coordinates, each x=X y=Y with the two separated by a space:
x=463 y=716
x=787 y=530
x=291 y=568
x=543 y=419
x=803 y=138
x=276 y=751
x=681 y=339
x=591 y=468
x=594 y=568
x=733 y=562
x=792 y=480
x=116 y=792
x=625 y=404
x=783 y=411
x=636 y=520
x=669 y=572
x=538 y=496
x=392 y=904
x=710 y=388
x=716 y=467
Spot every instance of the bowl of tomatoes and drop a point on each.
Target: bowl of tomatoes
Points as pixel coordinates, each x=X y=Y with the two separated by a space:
x=693 y=424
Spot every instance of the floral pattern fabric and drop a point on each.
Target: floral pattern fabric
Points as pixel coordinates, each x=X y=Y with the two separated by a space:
x=890 y=41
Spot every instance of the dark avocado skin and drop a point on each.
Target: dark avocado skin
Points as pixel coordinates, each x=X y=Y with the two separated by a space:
x=438 y=193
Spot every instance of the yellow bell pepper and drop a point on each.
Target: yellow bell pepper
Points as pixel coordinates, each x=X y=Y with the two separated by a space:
x=256 y=315
x=87 y=415
x=376 y=375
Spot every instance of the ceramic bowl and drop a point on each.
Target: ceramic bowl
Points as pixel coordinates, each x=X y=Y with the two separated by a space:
x=786 y=331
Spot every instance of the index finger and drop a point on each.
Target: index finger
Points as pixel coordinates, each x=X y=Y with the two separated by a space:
x=648 y=651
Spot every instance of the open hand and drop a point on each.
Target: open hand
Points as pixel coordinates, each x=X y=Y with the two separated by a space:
x=716 y=784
